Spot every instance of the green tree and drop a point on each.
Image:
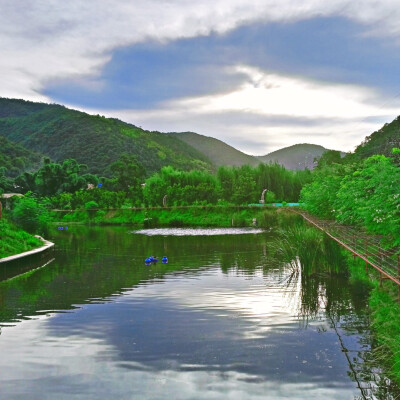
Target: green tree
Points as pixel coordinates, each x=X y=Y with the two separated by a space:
x=245 y=185
x=328 y=158
x=318 y=197
x=370 y=197
x=30 y=214
x=129 y=174
x=6 y=183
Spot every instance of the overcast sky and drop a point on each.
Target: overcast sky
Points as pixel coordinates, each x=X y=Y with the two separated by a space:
x=259 y=75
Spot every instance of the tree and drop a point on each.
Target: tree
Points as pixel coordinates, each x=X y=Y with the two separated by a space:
x=30 y=214
x=319 y=196
x=226 y=182
x=370 y=197
x=328 y=158
x=245 y=185
x=129 y=174
x=6 y=184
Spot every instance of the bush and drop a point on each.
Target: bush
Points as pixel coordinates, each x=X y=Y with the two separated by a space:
x=30 y=215
x=91 y=206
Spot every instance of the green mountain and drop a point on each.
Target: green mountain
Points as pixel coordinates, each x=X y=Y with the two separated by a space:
x=218 y=152
x=60 y=133
x=16 y=159
x=298 y=156
x=381 y=141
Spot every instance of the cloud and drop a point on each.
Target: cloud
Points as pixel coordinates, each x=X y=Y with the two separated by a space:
x=272 y=103
x=48 y=39
x=270 y=111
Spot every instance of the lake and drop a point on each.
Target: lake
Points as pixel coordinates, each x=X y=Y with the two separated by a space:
x=225 y=318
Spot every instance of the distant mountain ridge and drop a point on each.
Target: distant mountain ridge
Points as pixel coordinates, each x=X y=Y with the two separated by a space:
x=217 y=151
x=29 y=131
x=298 y=156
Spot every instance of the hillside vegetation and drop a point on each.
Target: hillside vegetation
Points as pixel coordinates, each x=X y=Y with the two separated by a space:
x=216 y=150
x=60 y=133
x=17 y=159
x=381 y=141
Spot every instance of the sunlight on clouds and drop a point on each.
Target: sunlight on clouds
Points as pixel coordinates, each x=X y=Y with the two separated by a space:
x=275 y=94
x=43 y=43
x=334 y=115
x=55 y=40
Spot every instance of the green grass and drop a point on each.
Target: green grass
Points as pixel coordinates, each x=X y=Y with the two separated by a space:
x=14 y=240
x=175 y=217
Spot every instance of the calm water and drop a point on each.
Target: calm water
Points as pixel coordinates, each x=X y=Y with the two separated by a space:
x=224 y=319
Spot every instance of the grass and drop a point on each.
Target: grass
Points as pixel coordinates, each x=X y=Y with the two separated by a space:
x=14 y=240
x=307 y=248
x=176 y=217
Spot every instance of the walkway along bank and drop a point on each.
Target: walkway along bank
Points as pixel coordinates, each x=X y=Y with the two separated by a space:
x=367 y=247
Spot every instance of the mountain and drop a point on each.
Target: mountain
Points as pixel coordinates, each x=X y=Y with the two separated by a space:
x=60 y=133
x=298 y=156
x=218 y=152
x=381 y=141
x=16 y=159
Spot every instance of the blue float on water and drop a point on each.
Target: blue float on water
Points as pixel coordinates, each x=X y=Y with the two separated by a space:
x=150 y=260
x=164 y=260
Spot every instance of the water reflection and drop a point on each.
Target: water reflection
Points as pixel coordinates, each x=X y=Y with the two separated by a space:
x=227 y=317
x=196 y=231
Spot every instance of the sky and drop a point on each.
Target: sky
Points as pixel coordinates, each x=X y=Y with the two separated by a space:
x=259 y=75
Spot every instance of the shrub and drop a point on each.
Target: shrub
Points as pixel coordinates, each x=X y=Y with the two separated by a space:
x=30 y=215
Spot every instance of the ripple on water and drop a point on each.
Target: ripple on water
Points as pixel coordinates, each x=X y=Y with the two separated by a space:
x=197 y=231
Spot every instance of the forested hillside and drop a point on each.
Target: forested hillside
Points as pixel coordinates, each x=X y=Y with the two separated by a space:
x=216 y=150
x=381 y=141
x=60 y=133
x=16 y=159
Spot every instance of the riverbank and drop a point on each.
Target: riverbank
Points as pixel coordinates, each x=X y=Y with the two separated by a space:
x=14 y=240
x=222 y=216
x=381 y=296
x=384 y=308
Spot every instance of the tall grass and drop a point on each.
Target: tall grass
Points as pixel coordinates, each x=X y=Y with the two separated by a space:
x=315 y=262
x=308 y=249
x=14 y=240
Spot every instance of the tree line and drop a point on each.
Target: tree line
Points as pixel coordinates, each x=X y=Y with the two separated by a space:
x=67 y=185
x=364 y=193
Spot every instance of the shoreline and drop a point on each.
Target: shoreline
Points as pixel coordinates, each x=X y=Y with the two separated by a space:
x=47 y=245
x=221 y=216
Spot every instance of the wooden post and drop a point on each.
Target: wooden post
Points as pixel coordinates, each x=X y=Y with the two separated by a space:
x=398 y=276
x=398 y=266
x=380 y=258
x=366 y=255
